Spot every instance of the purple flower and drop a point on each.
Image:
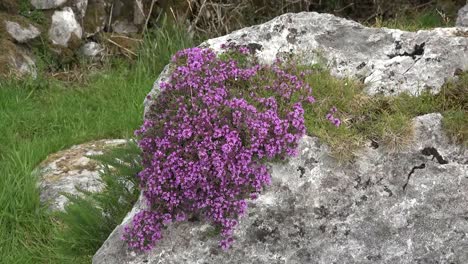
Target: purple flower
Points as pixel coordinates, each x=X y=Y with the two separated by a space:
x=206 y=140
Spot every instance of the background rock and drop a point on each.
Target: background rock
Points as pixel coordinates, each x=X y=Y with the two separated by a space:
x=124 y=27
x=462 y=19
x=95 y=18
x=407 y=207
x=91 y=49
x=47 y=4
x=64 y=26
x=21 y=34
x=63 y=171
x=16 y=61
x=388 y=61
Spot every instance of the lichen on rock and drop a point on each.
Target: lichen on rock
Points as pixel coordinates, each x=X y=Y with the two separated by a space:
x=63 y=171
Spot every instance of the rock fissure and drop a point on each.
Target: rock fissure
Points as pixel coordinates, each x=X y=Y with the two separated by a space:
x=418 y=50
x=431 y=151
x=420 y=167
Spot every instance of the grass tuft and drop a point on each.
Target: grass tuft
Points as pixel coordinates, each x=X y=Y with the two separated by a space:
x=386 y=120
x=89 y=219
x=40 y=117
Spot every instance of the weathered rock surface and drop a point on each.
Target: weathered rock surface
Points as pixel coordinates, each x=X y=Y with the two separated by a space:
x=95 y=18
x=64 y=27
x=21 y=34
x=124 y=27
x=388 y=61
x=462 y=19
x=91 y=49
x=16 y=61
x=406 y=207
x=47 y=4
x=62 y=172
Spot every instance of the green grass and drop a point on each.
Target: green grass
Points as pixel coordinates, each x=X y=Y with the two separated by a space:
x=414 y=21
x=386 y=120
x=40 y=117
x=89 y=219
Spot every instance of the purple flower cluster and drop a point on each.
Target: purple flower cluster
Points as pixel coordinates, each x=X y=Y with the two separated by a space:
x=330 y=116
x=204 y=145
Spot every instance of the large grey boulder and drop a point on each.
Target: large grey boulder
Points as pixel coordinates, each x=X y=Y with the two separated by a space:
x=462 y=19
x=63 y=171
x=405 y=207
x=388 y=61
x=64 y=27
x=21 y=34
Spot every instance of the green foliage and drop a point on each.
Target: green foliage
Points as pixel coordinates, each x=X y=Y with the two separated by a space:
x=90 y=218
x=28 y=11
x=386 y=120
x=416 y=20
x=40 y=117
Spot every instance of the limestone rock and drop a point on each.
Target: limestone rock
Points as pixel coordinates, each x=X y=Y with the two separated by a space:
x=16 y=61
x=47 y=4
x=124 y=27
x=65 y=170
x=95 y=18
x=21 y=34
x=462 y=19
x=405 y=207
x=388 y=61
x=64 y=27
x=91 y=49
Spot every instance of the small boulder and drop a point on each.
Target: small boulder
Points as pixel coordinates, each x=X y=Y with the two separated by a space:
x=47 y=4
x=63 y=171
x=91 y=49
x=64 y=27
x=16 y=61
x=20 y=33
x=95 y=18
x=462 y=19
x=124 y=27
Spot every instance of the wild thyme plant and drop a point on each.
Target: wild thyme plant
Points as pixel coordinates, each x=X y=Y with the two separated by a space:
x=211 y=130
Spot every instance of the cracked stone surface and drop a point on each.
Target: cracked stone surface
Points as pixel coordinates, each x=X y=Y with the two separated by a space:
x=404 y=207
x=67 y=169
x=388 y=61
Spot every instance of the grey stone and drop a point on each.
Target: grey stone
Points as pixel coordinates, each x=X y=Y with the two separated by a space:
x=96 y=17
x=21 y=34
x=462 y=19
x=47 y=4
x=91 y=49
x=63 y=171
x=81 y=6
x=20 y=61
x=64 y=27
x=124 y=27
x=138 y=12
x=405 y=207
x=388 y=61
